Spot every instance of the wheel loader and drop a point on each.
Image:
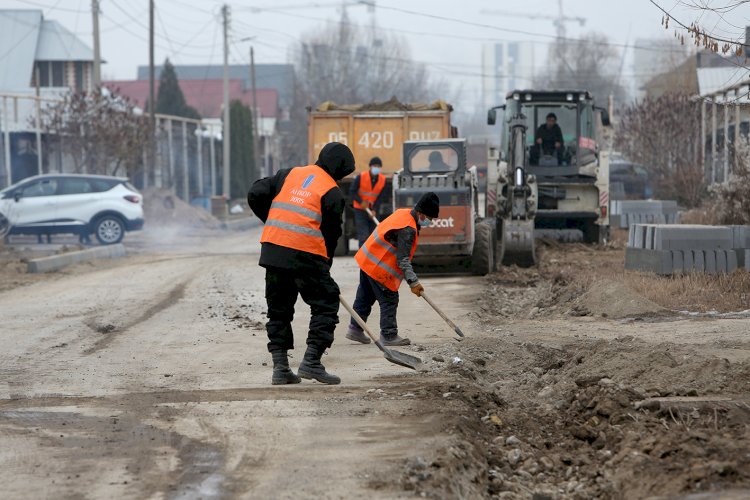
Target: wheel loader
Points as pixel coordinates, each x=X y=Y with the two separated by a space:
x=562 y=193
x=459 y=240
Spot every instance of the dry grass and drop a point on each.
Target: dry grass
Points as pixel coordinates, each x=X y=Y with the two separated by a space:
x=706 y=214
x=697 y=292
x=580 y=266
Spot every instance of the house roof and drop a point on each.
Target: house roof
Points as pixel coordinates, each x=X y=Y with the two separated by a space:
x=713 y=80
x=56 y=43
x=19 y=33
x=206 y=96
x=267 y=76
x=26 y=37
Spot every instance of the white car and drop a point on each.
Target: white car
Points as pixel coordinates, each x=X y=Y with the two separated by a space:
x=72 y=203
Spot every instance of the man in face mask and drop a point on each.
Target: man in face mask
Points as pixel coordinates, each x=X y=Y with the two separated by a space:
x=365 y=192
x=385 y=261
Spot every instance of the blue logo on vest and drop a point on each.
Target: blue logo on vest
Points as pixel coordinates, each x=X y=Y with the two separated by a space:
x=308 y=181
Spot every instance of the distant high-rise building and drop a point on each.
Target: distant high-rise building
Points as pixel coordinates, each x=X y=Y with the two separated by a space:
x=505 y=66
x=655 y=56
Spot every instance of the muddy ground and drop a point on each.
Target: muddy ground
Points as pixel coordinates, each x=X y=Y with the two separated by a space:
x=148 y=378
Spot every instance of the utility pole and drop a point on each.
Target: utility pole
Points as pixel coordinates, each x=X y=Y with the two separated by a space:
x=226 y=130
x=97 y=74
x=256 y=112
x=151 y=96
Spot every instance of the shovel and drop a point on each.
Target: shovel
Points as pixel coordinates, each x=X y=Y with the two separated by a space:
x=396 y=357
x=442 y=315
x=372 y=216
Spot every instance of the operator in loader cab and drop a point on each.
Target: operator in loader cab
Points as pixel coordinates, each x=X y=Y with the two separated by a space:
x=549 y=138
x=385 y=261
x=365 y=192
x=302 y=209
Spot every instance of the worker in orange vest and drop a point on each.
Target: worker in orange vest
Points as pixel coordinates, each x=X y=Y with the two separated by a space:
x=365 y=192
x=385 y=261
x=302 y=208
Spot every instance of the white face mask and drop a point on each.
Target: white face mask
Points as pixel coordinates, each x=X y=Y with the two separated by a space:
x=425 y=222
x=374 y=170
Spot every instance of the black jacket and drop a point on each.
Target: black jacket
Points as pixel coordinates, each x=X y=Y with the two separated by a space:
x=338 y=161
x=549 y=136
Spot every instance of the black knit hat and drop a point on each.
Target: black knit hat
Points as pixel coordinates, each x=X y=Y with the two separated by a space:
x=428 y=204
x=375 y=160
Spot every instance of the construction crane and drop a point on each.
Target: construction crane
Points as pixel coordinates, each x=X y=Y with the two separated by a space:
x=559 y=20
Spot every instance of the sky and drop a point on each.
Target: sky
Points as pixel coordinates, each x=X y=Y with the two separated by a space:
x=447 y=35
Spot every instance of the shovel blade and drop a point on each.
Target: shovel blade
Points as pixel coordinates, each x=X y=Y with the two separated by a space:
x=402 y=359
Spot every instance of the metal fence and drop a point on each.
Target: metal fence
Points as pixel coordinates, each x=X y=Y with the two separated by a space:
x=187 y=156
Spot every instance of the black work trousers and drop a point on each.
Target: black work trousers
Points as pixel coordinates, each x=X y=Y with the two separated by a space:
x=318 y=290
x=369 y=292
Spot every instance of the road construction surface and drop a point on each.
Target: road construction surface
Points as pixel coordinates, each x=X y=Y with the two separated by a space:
x=148 y=377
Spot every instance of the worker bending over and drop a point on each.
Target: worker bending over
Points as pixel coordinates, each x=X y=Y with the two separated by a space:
x=385 y=261
x=365 y=193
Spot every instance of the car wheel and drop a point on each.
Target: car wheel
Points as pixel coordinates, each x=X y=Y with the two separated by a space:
x=109 y=230
x=4 y=226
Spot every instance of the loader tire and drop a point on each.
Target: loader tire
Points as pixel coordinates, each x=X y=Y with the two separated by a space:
x=483 y=257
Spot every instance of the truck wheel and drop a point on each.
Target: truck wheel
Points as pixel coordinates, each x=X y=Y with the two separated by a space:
x=483 y=258
x=342 y=247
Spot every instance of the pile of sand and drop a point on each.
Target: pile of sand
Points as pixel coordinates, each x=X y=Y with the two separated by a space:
x=162 y=208
x=613 y=299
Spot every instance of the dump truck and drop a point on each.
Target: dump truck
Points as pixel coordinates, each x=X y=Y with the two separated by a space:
x=376 y=129
x=560 y=193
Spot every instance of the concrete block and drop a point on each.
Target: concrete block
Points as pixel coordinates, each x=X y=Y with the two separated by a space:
x=731 y=261
x=743 y=258
x=649 y=243
x=640 y=236
x=688 y=264
x=631 y=236
x=699 y=261
x=710 y=259
x=692 y=237
x=678 y=261
x=740 y=236
x=721 y=260
x=642 y=259
x=55 y=262
x=615 y=220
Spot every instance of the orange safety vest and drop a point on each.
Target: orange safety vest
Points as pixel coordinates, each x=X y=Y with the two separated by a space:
x=366 y=192
x=295 y=215
x=377 y=257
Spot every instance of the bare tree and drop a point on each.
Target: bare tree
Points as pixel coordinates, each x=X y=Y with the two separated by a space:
x=589 y=63
x=662 y=134
x=733 y=198
x=725 y=35
x=343 y=62
x=100 y=131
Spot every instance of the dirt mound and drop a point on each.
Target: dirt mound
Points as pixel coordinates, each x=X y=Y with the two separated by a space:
x=391 y=105
x=613 y=299
x=602 y=419
x=162 y=208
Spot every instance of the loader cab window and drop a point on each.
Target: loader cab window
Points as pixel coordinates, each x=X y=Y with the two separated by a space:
x=433 y=159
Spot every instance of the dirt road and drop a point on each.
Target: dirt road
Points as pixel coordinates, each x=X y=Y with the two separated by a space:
x=146 y=378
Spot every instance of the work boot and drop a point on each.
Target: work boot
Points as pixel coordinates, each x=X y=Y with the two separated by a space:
x=311 y=368
x=357 y=335
x=282 y=374
x=393 y=340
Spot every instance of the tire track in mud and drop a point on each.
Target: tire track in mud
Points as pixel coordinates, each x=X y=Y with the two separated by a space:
x=111 y=331
x=198 y=473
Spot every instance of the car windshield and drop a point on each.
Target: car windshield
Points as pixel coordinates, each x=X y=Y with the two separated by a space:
x=433 y=159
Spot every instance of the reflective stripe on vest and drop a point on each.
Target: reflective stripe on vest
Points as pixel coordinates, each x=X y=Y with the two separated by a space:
x=377 y=257
x=367 y=192
x=295 y=215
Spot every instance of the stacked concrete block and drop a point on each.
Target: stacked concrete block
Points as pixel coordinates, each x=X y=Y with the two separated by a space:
x=625 y=213
x=670 y=249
